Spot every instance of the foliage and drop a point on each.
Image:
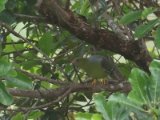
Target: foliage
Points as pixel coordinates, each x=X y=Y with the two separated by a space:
x=2 y=5
x=36 y=62
x=141 y=103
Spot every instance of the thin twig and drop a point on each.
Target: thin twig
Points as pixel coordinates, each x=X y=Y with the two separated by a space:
x=30 y=18
x=41 y=78
x=14 y=52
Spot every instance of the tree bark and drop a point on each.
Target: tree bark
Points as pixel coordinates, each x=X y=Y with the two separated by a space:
x=102 y=38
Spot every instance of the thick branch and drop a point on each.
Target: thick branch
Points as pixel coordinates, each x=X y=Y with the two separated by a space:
x=132 y=50
x=87 y=87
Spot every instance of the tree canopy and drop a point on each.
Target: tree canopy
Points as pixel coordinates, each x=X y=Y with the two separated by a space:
x=40 y=40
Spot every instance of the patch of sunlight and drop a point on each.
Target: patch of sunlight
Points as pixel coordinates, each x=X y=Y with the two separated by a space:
x=20 y=30
x=119 y=58
x=150 y=45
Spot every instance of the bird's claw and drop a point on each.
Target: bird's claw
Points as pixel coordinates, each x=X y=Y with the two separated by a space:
x=101 y=81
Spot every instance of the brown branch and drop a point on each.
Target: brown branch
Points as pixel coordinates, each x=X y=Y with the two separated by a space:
x=30 y=18
x=58 y=99
x=41 y=94
x=111 y=86
x=79 y=87
x=132 y=50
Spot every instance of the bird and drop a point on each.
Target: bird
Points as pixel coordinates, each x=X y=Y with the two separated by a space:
x=98 y=67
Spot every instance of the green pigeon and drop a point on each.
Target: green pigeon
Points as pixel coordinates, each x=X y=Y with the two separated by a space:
x=98 y=67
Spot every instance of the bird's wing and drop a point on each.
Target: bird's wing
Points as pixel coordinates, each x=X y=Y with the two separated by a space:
x=111 y=68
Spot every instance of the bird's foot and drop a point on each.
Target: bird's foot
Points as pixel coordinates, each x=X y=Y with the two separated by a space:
x=101 y=81
x=94 y=82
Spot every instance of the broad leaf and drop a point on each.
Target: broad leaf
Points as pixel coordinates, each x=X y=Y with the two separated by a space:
x=147 y=11
x=116 y=111
x=2 y=5
x=124 y=101
x=87 y=116
x=5 y=97
x=83 y=116
x=21 y=81
x=7 y=17
x=157 y=37
x=130 y=17
x=84 y=7
x=96 y=117
x=46 y=43
x=35 y=114
x=30 y=64
x=5 y=67
x=11 y=48
x=140 y=82
x=142 y=30
x=18 y=116
x=155 y=75
x=101 y=105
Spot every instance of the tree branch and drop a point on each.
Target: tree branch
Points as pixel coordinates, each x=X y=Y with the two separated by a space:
x=132 y=50
x=74 y=87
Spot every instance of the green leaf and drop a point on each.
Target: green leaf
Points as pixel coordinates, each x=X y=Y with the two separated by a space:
x=12 y=73
x=155 y=75
x=5 y=97
x=21 y=81
x=87 y=116
x=2 y=5
x=96 y=117
x=147 y=11
x=127 y=107
x=140 y=82
x=142 y=30
x=35 y=114
x=18 y=116
x=101 y=107
x=46 y=43
x=84 y=7
x=157 y=37
x=5 y=67
x=30 y=64
x=11 y=48
x=83 y=116
x=11 y=5
x=130 y=17
x=7 y=17
x=116 y=111
x=123 y=100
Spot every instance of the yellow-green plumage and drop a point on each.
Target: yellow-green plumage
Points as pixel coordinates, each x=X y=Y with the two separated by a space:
x=92 y=67
x=97 y=66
